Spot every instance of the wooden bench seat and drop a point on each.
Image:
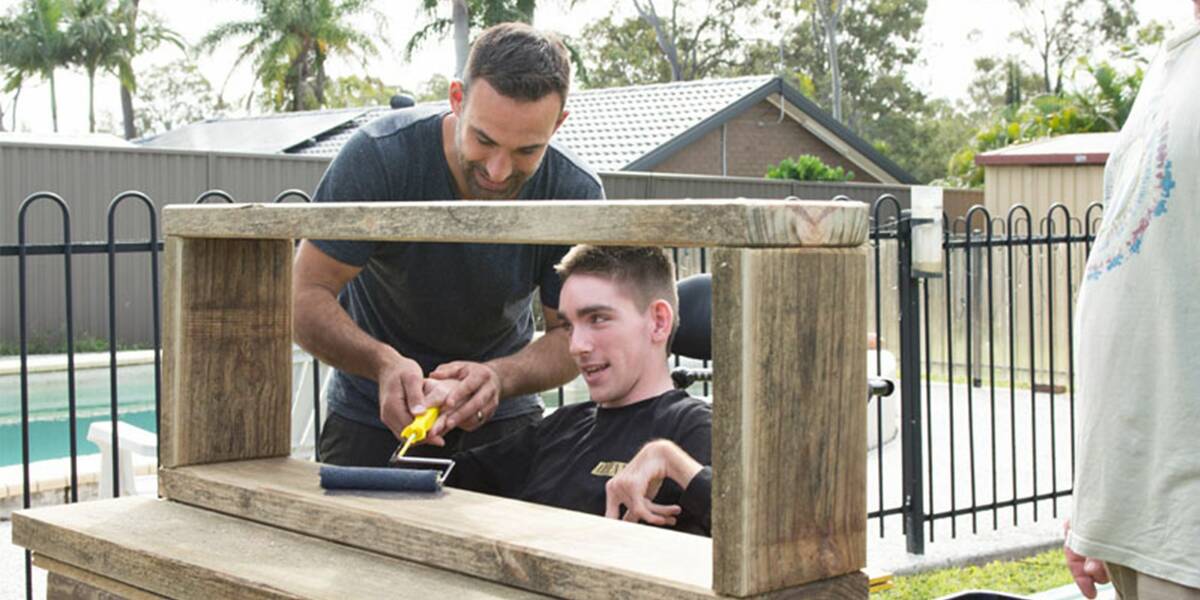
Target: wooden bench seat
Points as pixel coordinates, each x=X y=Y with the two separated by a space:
x=169 y=549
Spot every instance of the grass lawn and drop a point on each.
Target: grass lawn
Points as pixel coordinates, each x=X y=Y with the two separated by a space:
x=1026 y=576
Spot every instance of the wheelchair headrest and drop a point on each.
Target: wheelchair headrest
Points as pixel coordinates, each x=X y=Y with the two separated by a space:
x=693 y=339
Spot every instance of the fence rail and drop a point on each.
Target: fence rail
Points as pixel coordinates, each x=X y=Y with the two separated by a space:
x=986 y=432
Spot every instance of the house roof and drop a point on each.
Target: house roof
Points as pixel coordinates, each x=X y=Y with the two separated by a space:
x=1071 y=149
x=614 y=129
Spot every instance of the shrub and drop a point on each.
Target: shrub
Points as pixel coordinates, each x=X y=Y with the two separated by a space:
x=807 y=167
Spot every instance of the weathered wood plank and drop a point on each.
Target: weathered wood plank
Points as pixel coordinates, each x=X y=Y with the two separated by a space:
x=183 y=552
x=227 y=349
x=734 y=223
x=64 y=581
x=789 y=423
x=549 y=550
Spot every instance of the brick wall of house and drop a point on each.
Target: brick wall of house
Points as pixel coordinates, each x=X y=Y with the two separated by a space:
x=755 y=141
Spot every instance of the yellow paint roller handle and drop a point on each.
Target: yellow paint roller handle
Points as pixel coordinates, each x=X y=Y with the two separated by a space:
x=420 y=426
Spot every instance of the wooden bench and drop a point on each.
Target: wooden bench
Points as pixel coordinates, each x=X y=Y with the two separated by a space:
x=789 y=430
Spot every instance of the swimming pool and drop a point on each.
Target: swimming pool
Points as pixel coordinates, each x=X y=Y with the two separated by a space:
x=48 y=422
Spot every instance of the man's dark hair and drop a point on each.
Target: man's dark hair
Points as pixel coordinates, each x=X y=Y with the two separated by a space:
x=521 y=62
x=646 y=273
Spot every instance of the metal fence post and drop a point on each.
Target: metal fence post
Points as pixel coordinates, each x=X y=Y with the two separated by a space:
x=910 y=392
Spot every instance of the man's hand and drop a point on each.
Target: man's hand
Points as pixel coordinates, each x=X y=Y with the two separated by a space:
x=1086 y=571
x=640 y=480
x=473 y=401
x=400 y=393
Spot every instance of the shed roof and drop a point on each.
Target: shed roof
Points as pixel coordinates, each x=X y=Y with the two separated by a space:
x=1071 y=149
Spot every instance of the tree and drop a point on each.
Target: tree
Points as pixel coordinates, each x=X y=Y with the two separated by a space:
x=621 y=54
x=829 y=14
x=1059 y=32
x=32 y=43
x=136 y=38
x=877 y=42
x=93 y=41
x=174 y=95
x=655 y=48
x=437 y=87
x=352 y=91
x=1102 y=105
x=289 y=43
x=465 y=16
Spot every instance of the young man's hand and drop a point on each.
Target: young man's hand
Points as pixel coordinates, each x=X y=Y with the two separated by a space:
x=472 y=401
x=640 y=480
x=1086 y=571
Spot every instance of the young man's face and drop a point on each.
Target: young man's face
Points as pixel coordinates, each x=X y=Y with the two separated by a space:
x=500 y=141
x=616 y=346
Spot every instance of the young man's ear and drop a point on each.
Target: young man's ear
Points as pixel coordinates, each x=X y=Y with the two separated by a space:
x=663 y=317
x=457 y=95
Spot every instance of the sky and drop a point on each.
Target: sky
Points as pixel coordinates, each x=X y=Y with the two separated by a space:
x=955 y=33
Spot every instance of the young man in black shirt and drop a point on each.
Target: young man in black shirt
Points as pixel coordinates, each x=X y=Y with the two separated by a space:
x=639 y=443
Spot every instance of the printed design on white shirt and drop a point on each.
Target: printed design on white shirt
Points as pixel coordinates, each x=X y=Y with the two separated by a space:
x=1120 y=240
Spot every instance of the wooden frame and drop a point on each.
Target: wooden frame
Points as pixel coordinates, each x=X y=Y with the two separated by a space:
x=789 y=432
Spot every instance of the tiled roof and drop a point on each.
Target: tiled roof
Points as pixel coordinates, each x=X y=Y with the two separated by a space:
x=611 y=128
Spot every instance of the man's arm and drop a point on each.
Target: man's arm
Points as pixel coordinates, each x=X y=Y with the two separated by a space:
x=323 y=328
x=542 y=365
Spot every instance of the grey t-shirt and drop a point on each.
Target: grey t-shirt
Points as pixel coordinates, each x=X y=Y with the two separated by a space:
x=438 y=302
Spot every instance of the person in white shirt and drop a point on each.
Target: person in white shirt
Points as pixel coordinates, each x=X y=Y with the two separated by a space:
x=1136 y=518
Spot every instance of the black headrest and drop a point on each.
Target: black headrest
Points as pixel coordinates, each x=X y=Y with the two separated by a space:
x=694 y=336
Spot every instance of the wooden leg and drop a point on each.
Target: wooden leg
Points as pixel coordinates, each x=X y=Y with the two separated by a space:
x=227 y=350
x=789 y=423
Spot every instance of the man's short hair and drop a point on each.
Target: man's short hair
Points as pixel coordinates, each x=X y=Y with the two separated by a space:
x=646 y=273
x=521 y=62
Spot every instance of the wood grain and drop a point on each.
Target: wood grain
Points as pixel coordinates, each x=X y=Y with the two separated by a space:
x=741 y=223
x=789 y=422
x=548 y=550
x=68 y=581
x=227 y=350
x=183 y=552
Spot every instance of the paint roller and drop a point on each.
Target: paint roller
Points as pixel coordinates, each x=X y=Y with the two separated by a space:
x=404 y=474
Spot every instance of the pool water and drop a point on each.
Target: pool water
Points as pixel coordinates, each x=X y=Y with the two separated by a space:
x=49 y=435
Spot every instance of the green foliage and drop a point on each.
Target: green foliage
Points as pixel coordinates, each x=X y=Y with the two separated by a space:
x=94 y=41
x=353 y=90
x=289 y=43
x=32 y=43
x=437 y=87
x=621 y=54
x=481 y=15
x=1101 y=106
x=1034 y=574
x=628 y=52
x=807 y=167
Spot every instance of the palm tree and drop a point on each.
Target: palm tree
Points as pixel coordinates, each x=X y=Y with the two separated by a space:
x=465 y=14
x=290 y=41
x=94 y=41
x=32 y=43
x=135 y=39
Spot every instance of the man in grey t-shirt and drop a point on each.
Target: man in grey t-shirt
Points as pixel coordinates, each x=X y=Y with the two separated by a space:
x=397 y=320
